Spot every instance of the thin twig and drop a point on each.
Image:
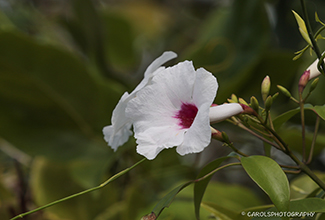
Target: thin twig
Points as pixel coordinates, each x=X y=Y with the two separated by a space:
x=217 y=169
x=314 y=140
x=303 y=127
x=311 y=35
x=80 y=193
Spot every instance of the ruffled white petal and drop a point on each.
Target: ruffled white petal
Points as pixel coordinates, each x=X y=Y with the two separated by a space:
x=117 y=137
x=222 y=112
x=154 y=68
x=151 y=142
x=198 y=136
x=205 y=87
x=177 y=83
x=154 y=108
x=119 y=132
x=153 y=118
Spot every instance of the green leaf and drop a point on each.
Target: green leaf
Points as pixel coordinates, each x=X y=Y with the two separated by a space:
x=318 y=20
x=320 y=110
x=200 y=187
x=269 y=176
x=302 y=27
x=303 y=186
x=221 y=212
x=168 y=199
x=51 y=93
x=231 y=196
x=308 y=206
x=281 y=119
x=300 y=52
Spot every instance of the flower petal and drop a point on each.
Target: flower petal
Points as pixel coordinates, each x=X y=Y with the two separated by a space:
x=222 y=112
x=118 y=133
x=199 y=135
x=166 y=56
x=153 y=118
x=205 y=87
x=153 y=68
x=154 y=108
x=154 y=140
x=177 y=82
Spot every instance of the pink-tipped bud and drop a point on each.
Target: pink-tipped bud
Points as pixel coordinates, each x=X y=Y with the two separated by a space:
x=217 y=134
x=303 y=81
x=248 y=110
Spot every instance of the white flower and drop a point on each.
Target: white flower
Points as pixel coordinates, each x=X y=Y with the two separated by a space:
x=173 y=110
x=119 y=132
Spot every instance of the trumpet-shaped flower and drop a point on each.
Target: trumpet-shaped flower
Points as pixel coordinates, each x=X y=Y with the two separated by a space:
x=173 y=110
x=119 y=132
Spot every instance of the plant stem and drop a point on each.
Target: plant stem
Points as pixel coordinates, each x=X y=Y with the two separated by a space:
x=306 y=170
x=303 y=128
x=80 y=193
x=255 y=134
x=303 y=166
x=292 y=171
x=217 y=169
x=314 y=140
x=311 y=35
x=231 y=145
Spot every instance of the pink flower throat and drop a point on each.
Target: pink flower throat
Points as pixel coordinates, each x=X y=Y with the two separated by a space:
x=186 y=115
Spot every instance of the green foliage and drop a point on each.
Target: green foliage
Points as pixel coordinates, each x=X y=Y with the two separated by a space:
x=200 y=186
x=64 y=67
x=269 y=176
x=167 y=200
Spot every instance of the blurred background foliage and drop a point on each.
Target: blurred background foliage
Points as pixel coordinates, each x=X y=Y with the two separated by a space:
x=65 y=64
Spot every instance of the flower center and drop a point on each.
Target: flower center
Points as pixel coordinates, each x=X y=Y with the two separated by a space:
x=186 y=115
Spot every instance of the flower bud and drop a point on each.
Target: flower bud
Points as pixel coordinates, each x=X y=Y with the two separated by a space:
x=268 y=103
x=275 y=96
x=313 y=84
x=284 y=91
x=254 y=104
x=248 y=110
x=303 y=81
x=242 y=101
x=151 y=216
x=265 y=87
x=225 y=137
x=233 y=99
x=217 y=134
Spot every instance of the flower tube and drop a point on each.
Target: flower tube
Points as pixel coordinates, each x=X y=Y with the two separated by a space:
x=220 y=113
x=313 y=70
